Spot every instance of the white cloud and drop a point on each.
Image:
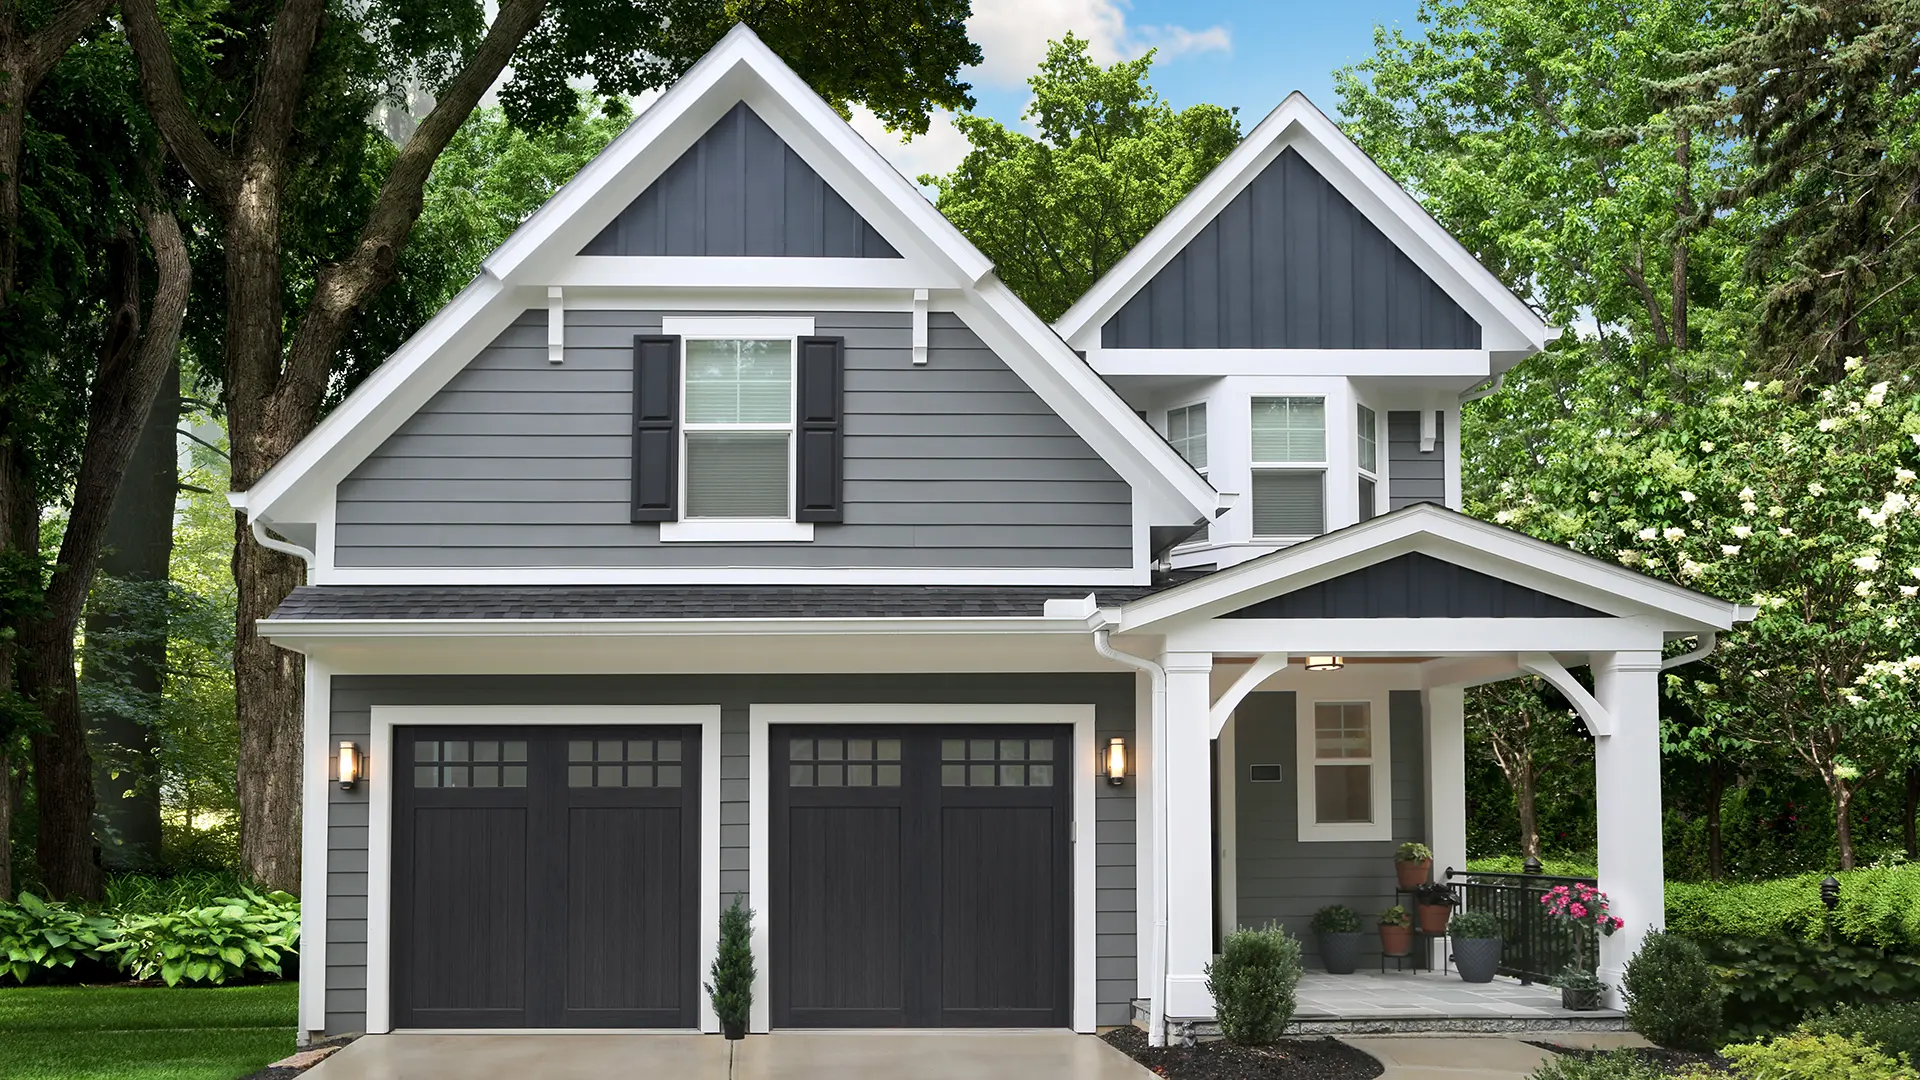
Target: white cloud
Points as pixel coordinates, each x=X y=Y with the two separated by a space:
x=1013 y=35
x=938 y=151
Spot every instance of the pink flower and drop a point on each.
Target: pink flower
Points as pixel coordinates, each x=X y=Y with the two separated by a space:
x=1579 y=911
x=1618 y=923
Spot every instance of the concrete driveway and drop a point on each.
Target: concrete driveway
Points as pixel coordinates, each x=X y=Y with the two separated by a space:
x=1001 y=1055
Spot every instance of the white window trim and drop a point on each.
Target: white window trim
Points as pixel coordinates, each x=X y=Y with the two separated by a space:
x=739 y=530
x=1082 y=776
x=380 y=781
x=1324 y=466
x=1381 y=827
x=1205 y=537
x=1379 y=453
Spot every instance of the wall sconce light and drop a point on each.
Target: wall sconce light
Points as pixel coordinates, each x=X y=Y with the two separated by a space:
x=1325 y=663
x=351 y=766
x=1116 y=763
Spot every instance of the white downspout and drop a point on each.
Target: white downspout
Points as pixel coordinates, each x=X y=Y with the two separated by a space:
x=1157 y=969
x=284 y=547
x=1484 y=389
x=1700 y=652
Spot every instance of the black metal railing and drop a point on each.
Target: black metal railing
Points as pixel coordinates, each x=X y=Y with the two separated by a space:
x=1533 y=946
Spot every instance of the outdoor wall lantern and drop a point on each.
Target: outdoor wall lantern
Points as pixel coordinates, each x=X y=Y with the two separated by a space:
x=1116 y=765
x=1325 y=663
x=351 y=766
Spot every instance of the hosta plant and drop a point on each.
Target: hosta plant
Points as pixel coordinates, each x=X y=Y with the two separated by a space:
x=229 y=939
x=36 y=935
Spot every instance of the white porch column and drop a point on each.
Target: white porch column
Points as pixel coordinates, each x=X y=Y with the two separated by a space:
x=1187 y=785
x=1627 y=797
x=1446 y=752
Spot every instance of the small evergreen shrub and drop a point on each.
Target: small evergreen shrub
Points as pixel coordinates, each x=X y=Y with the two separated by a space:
x=1672 y=995
x=1474 y=924
x=731 y=990
x=39 y=936
x=1613 y=1065
x=1253 y=984
x=1807 y=1057
x=1892 y=1027
x=1336 y=919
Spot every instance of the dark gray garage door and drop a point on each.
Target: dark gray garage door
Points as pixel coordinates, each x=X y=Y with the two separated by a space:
x=920 y=877
x=546 y=877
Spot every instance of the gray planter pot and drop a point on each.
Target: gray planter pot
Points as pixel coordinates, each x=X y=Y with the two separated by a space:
x=1581 y=1000
x=1477 y=958
x=1340 y=952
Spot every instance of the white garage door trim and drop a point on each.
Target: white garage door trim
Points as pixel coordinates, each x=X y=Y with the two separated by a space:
x=380 y=818
x=759 y=810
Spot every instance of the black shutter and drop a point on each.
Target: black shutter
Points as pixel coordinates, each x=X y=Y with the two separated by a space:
x=656 y=428
x=818 y=454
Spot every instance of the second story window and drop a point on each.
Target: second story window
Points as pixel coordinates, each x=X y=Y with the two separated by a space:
x=1187 y=431
x=1369 y=461
x=738 y=428
x=1289 y=467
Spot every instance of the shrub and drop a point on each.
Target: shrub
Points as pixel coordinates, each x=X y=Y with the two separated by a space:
x=230 y=938
x=1253 y=983
x=1808 y=1057
x=39 y=936
x=1893 y=1027
x=1772 y=985
x=1474 y=924
x=1612 y=1065
x=1672 y=995
x=1879 y=907
x=1336 y=919
x=731 y=990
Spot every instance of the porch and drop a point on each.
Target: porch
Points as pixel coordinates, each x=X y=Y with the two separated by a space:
x=1408 y=1002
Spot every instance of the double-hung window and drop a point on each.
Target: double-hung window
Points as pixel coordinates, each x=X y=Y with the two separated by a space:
x=1289 y=467
x=1187 y=431
x=1369 y=461
x=738 y=429
x=1344 y=780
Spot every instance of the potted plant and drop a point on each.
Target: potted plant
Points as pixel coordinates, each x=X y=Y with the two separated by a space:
x=1580 y=990
x=1396 y=931
x=1435 y=903
x=1411 y=863
x=731 y=990
x=1337 y=928
x=1476 y=946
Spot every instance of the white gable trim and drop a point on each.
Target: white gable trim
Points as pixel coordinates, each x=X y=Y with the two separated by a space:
x=1508 y=325
x=543 y=253
x=1448 y=535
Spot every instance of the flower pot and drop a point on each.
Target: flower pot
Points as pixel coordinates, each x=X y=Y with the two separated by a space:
x=1433 y=918
x=1412 y=873
x=733 y=1029
x=1396 y=940
x=1584 y=999
x=1477 y=958
x=1340 y=952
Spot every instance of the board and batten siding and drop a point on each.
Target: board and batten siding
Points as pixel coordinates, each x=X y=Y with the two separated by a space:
x=1413 y=475
x=1290 y=264
x=1285 y=880
x=518 y=462
x=354 y=696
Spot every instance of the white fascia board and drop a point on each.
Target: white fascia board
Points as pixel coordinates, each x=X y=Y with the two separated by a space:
x=319 y=629
x=1435 y=363
x=748 y=272
x=1073 y=581
x=1416 y=637
x=1450 y=535
x=1298 y=123
x=1175 y=493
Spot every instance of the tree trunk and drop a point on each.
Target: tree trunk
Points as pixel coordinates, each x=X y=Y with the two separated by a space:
x=1716 y=792
x=6 y=823
x=62 y=771
x=1843 y=819
x=137 y=549
x=1523 y=800
x=269 y=682
x=1683 y=210
x=1907 y=823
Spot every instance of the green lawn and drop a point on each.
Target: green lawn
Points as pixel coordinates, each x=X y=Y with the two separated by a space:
x=137 y=1033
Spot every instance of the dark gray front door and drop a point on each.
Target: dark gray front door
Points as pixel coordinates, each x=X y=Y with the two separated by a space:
x=546 y=877
x=920 y=876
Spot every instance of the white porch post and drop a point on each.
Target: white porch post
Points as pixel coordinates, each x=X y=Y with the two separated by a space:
x=1627 y=797
x=1446 y=785
x=1186 y=784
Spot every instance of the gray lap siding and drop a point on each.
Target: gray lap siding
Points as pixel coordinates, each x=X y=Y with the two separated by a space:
x=519 y=462
x=353 y=697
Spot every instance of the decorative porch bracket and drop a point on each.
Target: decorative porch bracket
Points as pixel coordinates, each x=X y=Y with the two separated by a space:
x=1599 y=721
x=1266 y=667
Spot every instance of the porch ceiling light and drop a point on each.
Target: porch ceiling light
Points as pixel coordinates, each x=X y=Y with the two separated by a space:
x=1116 y=763
x=351 y=766
x=1325 y=663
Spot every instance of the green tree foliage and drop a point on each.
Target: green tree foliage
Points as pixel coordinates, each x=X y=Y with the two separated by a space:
x=1111 y=158
x=1531 y=734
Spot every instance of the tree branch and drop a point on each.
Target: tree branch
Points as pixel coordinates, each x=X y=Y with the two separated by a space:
x=211 y=170
x=1647 y=299
x=276 y=96
x=45 y=46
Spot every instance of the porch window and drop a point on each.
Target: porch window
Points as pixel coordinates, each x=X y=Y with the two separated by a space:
x=739 y=429
x=1289 y=467
x=1345 y=780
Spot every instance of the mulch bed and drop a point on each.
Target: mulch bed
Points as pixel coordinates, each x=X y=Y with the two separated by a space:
x=1671 y=1061
x=1288 y=1059
x=275 y=1073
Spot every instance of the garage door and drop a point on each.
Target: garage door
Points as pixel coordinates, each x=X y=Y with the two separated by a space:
x=920 y=877
x=546 y=877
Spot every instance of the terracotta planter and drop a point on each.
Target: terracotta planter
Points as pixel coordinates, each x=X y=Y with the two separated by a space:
x=1433 y=918
x=1396 y=940
x=1412 y=873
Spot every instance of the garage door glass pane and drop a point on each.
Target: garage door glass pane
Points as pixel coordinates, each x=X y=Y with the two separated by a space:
x=851 y=762
x=996 y=763
x=469 y=763
x=614 y=763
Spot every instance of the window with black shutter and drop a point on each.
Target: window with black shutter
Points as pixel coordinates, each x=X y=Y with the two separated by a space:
x=656 y=423
x=818 y=455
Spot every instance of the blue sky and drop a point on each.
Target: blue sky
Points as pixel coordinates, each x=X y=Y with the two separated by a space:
x=1241 y=53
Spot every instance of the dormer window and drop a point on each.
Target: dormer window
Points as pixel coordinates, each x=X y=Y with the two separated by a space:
x=1289 y=467
x=739 y=429
x=1369 y=430
x=1187 y=431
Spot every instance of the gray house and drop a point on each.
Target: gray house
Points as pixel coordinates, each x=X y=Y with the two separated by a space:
x=736 y=532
